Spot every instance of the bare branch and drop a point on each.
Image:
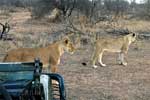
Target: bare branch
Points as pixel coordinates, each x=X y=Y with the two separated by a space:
x=74 y=28
x=5 y=30
x=71 y=9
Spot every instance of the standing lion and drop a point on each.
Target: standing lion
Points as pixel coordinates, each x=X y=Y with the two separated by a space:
x=120 y=45
x=49 y=55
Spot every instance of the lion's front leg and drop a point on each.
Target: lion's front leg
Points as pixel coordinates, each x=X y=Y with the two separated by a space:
x=53 y=68
x=46 y=68
x=121 y=59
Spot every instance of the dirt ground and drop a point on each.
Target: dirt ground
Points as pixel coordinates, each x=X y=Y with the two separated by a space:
x=113 y=82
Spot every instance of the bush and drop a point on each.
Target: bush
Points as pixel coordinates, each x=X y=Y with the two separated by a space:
x=40 y=8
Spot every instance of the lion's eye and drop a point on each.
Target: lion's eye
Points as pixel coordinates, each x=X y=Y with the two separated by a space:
x=66 y=41
x=133 y=34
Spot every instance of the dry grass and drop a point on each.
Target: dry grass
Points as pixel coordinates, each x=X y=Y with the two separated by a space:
x=138 y=25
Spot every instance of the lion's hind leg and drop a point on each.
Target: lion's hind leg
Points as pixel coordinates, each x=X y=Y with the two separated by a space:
x=94 y=59
x=97 y=56
x=100 y=59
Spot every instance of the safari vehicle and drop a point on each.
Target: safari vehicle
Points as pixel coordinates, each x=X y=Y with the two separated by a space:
x=25 y=81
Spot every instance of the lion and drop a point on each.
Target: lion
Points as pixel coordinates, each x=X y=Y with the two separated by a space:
x=120 y=45
x=49 y=55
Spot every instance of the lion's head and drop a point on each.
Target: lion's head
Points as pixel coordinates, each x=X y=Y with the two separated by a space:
x=68 y=45
x=132 y=36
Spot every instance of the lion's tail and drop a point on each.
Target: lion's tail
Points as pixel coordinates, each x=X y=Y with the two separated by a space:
x=84 y=63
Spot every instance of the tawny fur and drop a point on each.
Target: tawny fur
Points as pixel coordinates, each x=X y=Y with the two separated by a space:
x=120 y=45
x=49 y=55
